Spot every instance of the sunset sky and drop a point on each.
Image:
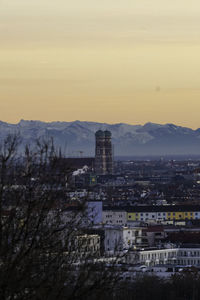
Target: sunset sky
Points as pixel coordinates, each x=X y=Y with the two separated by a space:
x=114 y=61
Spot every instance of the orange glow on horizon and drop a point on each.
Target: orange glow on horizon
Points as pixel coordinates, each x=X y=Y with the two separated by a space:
x=125 y=62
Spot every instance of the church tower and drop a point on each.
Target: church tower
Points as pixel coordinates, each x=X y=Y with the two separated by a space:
x=103 y=153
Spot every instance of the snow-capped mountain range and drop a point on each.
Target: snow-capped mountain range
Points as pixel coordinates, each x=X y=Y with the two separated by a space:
x=128 y=140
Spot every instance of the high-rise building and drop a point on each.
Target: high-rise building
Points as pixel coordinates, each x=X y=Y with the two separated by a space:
x=103 y=153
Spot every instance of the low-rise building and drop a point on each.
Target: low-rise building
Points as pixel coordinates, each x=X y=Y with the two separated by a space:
x=86 y=245
x=153 y=235
x=151 y=214
x=118 y=238
x=163 y=213
x=183 y=256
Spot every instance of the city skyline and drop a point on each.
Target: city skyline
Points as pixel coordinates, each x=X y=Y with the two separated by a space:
x=115 y=62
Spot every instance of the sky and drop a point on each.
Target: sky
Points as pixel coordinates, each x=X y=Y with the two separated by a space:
x=130 y=61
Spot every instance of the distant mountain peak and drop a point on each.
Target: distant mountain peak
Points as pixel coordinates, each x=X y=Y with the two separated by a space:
x=147 y=139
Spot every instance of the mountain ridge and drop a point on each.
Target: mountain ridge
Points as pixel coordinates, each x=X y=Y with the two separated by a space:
x=128 y=140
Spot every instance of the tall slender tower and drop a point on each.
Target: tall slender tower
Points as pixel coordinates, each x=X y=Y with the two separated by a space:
x=100 y=160
x=108 y=152
x=103 y=153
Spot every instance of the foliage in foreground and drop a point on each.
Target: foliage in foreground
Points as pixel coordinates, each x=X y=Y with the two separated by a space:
x=40 y=253
x=181 y=286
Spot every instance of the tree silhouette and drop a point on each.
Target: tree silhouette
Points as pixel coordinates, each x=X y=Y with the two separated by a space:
x=44 y=251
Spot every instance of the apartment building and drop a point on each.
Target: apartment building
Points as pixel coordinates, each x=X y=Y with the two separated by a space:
x=118 y=238
x=184 y=256
x=114 y=217
x=163 y=213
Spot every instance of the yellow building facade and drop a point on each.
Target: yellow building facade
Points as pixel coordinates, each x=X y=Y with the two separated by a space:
x=165 y=215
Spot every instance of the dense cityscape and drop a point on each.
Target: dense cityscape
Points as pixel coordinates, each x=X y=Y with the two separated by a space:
x=99 y=150
x=105 y=225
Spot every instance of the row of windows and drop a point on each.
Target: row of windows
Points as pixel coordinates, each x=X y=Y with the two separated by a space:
x=110 y=221
x=158 y=255
x=188 y=214
x=164 y=214
x=188 y=262
x=111 y=216
x=167 y=219
x=189 y=253
x=169 y=255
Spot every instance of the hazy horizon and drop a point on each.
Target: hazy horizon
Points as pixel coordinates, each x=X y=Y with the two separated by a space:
x=93 y=121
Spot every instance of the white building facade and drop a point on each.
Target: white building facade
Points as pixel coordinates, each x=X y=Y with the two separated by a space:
x=118 y=238
x=171 y=256
x=114 y=217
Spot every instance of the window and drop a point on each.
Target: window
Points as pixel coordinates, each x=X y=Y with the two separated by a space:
x=158 y=234
x=147 y=214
